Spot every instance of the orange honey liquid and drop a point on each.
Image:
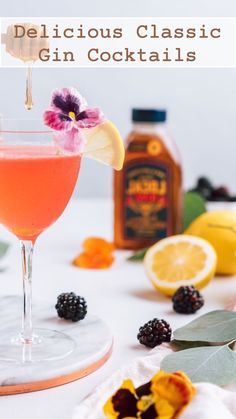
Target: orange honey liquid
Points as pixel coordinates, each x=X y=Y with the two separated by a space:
x=36 y=183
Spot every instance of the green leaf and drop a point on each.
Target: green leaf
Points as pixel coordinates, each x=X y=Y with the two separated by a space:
x=3 y=249
x=213 y=364
x=138 y=256
x=215 y=327
x=194 y=205
x=180 y=345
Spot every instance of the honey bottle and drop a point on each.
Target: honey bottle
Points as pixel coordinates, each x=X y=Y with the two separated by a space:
x=148 y=190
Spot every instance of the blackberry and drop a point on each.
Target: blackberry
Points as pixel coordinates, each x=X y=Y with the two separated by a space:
x=204 y=182
x=187 y=300
x=204 y=188
x=154 y=333
x=70 y=306
x=220 y=194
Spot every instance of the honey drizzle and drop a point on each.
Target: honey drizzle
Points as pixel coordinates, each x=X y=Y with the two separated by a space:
x=28 y=93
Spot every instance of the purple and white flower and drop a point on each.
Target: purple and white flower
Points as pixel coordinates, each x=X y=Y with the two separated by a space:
x=69 y=114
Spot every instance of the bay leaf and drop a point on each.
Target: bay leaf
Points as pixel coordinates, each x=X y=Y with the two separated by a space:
x=194 y=205
x=138 y=255
x=180 y=345
x=212 y=364
x=217 y=326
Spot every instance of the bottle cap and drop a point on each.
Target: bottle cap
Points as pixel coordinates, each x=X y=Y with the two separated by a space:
x=148 y=115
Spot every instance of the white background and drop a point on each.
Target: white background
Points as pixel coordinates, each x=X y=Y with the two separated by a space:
x=201 y=102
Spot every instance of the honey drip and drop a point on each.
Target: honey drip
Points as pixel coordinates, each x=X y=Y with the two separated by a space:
x=26 y=50
x=28 y=93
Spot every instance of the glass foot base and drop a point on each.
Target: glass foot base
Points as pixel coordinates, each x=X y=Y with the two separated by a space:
x=46 y=345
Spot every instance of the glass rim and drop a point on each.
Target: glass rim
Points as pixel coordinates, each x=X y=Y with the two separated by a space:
x=17 y=131
x=21 y=130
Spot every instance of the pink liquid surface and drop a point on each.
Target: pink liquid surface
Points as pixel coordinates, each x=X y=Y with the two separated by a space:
x=36 y=183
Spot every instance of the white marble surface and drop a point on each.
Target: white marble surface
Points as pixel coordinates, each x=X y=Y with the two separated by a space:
x=91 y=340
x=121 y=295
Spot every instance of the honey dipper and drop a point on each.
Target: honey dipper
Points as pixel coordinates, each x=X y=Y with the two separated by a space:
x=25 y=49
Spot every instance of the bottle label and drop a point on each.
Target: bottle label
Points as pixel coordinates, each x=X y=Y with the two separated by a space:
x=147 y=201
x=138 y=146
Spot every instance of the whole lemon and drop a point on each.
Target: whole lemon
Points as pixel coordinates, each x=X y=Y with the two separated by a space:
x=219 y=229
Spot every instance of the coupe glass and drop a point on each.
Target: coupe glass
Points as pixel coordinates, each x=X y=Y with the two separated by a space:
x=37 y=181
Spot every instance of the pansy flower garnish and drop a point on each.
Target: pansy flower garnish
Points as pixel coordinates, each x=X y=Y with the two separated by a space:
x=175 y=388
x=164 y=397
x=68 y=115
x=122 y=404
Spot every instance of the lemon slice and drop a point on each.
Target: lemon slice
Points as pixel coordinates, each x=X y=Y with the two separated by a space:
x=104 y=143
x=180 y=260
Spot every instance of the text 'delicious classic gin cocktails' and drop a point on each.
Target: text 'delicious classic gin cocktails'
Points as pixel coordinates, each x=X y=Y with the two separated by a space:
x=36 y=184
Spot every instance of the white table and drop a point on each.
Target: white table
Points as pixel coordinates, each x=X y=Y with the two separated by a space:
x=122 y=295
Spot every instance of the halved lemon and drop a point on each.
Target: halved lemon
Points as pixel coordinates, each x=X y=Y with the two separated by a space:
x=180 y=260
x=104 y=143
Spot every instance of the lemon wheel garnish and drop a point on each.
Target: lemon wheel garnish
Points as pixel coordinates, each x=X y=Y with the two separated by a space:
x=180 y=260
x=104 y=143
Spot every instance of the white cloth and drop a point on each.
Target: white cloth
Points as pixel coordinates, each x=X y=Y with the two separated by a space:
x=210 y=402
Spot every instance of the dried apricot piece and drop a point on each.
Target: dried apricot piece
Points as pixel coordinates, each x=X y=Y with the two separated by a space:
x=82 y=261
x=100 y=261
x=93 y=260
x=97 y=254
x=97 y=245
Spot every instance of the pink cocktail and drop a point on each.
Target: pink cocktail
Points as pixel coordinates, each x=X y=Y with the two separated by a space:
x=37 y=181
x=36 y=184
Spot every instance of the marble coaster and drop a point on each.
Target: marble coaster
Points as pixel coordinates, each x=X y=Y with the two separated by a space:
x=93 y=346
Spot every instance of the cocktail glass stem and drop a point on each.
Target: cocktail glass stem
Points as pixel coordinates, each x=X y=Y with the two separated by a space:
x=27 y=248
